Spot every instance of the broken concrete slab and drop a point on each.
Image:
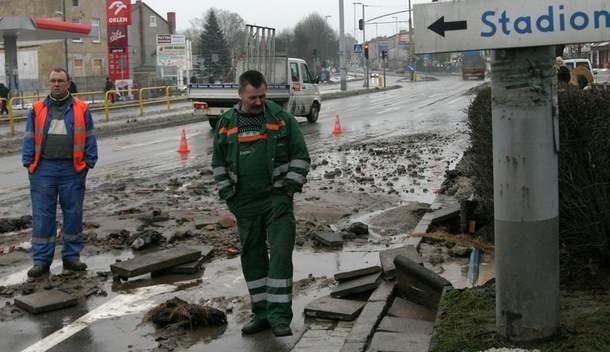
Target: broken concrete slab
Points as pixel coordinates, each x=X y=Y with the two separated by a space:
x=186 y=268
x=334 y=308
x=405 y=325
x=352 y=347
x=321 y=341
x=387 y=258
x=417 y=283
x=447 y=212
x=367 y=321
x=205 y=220
x=398 y=342
x=46 y=301
x=352 y=274
x=331 y=239
x=359 y=285
x=383 y=293
x=154 y=261
x=401 y=308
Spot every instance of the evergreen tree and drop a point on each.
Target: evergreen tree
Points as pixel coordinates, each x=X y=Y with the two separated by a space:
x=213 y=48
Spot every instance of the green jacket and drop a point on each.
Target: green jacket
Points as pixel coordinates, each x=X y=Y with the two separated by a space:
x=287 y=156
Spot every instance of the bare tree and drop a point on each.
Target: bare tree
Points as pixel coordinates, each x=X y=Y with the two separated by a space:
x=315 y=41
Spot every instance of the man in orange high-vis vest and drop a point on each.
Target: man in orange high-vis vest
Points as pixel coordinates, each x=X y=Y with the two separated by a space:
x=59 y=147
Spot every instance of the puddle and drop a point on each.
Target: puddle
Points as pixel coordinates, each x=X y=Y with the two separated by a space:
x=456 y=271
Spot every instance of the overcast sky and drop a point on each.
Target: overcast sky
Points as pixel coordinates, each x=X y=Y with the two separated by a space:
x=282 y=14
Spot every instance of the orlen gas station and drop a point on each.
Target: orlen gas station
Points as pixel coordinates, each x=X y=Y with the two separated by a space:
x=18 y=30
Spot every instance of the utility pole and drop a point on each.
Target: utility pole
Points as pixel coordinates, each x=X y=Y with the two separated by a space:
x=411 y=40
x=63 y=16
x=366 y=60
x=342 y=68
x=526 y=192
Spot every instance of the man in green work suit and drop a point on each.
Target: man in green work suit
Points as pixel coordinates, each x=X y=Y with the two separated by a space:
x=260 y=160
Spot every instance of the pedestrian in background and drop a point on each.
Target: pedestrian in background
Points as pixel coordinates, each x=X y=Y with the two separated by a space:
x=4 y=91
x=73 y=89
x=260 y=160
x=108 y=86
x=59 y=147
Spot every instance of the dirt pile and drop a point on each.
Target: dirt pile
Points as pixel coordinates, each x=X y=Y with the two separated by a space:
x=15 y=224
x=180 y=313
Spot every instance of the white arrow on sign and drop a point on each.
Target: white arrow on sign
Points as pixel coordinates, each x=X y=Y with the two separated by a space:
x=463 y=25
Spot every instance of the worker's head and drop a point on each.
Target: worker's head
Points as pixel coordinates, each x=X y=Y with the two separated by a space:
x=252 y=92
x=59 y=83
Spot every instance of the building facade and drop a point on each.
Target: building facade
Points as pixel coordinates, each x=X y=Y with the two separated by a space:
x=86 y=58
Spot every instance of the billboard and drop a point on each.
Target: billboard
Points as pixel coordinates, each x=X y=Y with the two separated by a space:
x=171 y=50
x=118 y=12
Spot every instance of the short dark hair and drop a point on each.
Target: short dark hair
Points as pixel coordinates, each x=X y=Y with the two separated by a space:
x=59 y=69
x=253 y=78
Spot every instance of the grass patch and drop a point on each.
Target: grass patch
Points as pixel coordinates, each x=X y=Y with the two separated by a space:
x=467 y=323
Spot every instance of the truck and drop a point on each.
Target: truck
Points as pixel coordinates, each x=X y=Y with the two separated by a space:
x=473 y=65
x=289 y=80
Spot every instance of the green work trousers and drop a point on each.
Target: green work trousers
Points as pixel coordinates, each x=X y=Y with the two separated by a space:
x=268 y=274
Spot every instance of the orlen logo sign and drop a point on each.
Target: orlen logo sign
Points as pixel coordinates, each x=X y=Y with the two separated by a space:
x=118 y=12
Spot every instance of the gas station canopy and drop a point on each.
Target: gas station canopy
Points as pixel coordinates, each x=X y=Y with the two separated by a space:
x=30 y=29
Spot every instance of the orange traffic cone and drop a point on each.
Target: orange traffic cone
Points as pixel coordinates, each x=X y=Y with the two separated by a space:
x=184 y=148
x=337 y=130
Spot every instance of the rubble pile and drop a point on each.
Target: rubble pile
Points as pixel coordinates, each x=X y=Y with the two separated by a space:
x=178 y=312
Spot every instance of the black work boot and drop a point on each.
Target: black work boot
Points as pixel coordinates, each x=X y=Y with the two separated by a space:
x=75 y=266
x=38 y=271
x=282 y=330
x=255 y=326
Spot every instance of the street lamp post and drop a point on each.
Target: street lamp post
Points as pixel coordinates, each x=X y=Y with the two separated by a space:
x=411 y=39
x=63 y=16
x=366 y=61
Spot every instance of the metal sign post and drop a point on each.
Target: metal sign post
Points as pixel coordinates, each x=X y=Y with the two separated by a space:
x=525 y=137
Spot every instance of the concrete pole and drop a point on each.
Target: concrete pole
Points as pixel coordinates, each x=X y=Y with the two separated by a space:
x=411 y=40
x=342 y=46
x=365 y=61
x=11 y=65
x=526 y=193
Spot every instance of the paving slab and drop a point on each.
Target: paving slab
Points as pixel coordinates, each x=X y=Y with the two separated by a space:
x=448 y=211
x=155 y=261
x=205 y=220
x=402 y=308
x=46 y=301
x=331 y=239
x=367 y=321
x=352 y=274
x=186 y=268
x=387 y=258
x=352 y=347
x=417 y=283
x=359 y=285
x=334 y=308
x=405 y=325
x=383 y=293
x=321 y=341
x=398 y=342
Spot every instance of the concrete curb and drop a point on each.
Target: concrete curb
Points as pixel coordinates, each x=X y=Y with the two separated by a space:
x=351 y=93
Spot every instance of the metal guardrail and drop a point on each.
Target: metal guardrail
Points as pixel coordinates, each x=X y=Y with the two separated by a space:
x=167 y=96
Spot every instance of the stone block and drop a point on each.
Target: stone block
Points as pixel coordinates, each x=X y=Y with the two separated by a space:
x=155 y=261
x=362 y=284
x=331 y=239
x=186 y=268
x=447 y=212
x=367 y=321
x=387 y=258
x=383 y=293
x=352 y=274
x=46 y=301
x=405 y=325
x=334 y=308
x=402 y=308
x=417 y=283
x=397 y=342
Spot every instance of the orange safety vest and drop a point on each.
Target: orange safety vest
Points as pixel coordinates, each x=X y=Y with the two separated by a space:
x=80 y=134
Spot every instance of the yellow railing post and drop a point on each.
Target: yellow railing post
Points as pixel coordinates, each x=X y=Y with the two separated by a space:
x=141 y=100
x=167 y=97
x=11 y=116
x=107 y=106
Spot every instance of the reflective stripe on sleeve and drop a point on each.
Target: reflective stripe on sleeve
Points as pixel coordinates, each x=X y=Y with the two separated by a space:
x=298 y=178
x=281 y=169
x=301 y=164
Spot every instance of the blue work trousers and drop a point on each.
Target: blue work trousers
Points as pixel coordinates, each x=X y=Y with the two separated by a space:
x=55 y=179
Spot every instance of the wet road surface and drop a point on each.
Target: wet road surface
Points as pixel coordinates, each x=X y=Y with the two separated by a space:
x=436 y=106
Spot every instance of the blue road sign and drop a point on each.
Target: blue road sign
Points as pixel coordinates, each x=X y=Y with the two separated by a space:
x=358 y=49
x=411 y=67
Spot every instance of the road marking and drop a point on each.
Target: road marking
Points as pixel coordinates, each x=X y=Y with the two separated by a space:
x=119 y=306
